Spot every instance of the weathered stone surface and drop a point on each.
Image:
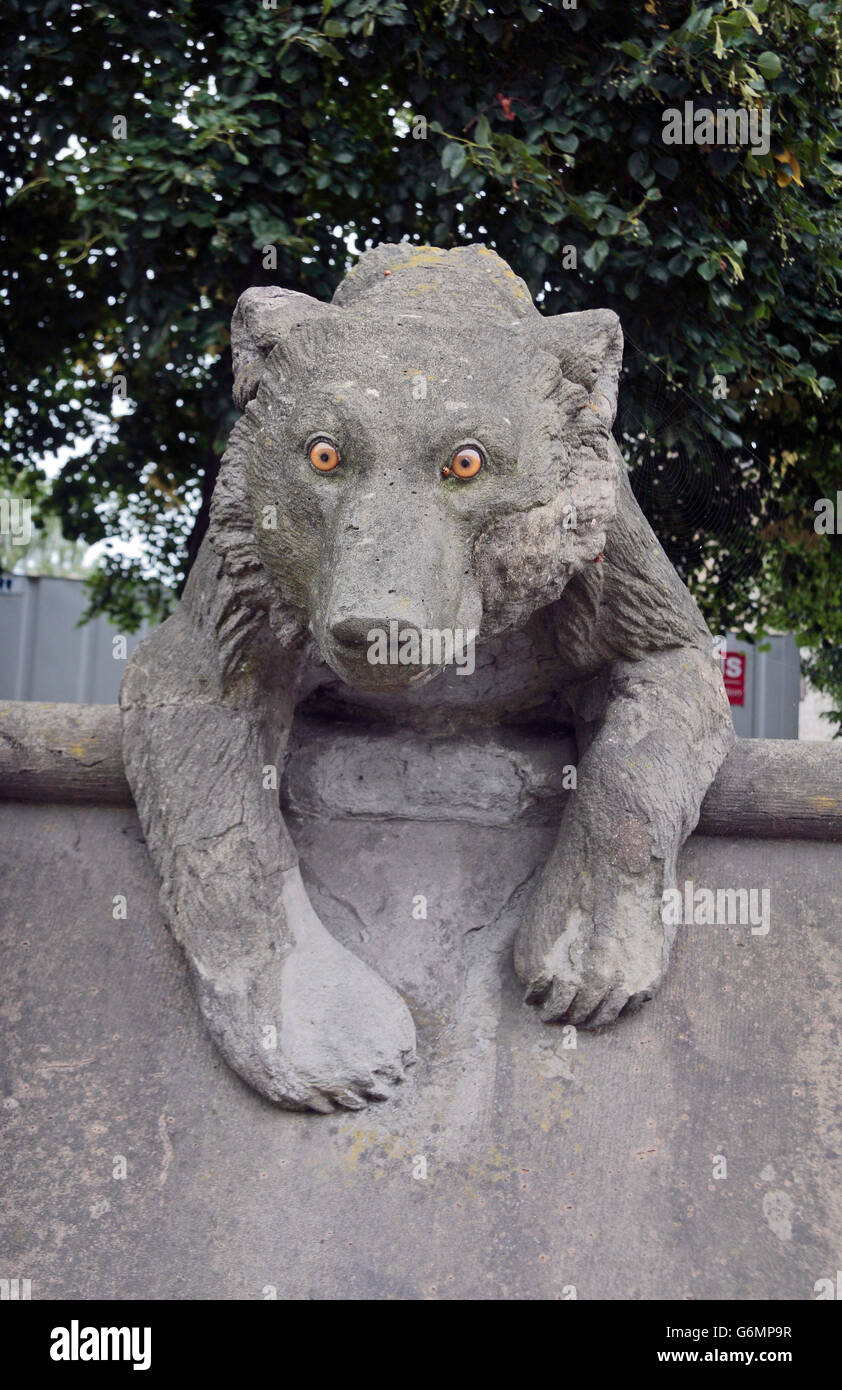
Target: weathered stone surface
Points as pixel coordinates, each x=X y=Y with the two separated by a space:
x=546 y=1167
x=410 y=776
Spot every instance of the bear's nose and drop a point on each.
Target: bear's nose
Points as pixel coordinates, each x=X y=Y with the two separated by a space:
x=356 y=632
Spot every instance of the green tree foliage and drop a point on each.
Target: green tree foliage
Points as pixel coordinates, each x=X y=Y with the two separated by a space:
x=258 y=139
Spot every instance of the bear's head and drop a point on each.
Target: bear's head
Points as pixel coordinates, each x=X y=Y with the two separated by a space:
x=427 y=450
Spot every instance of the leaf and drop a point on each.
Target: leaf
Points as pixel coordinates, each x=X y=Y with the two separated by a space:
x=699 y=19
x=595 y=254
x=454 y=157
x=638 y=164
x=770 y=66
x=483 y=132
x=667 y=167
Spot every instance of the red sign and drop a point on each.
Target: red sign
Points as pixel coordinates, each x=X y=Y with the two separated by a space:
x=734 y=672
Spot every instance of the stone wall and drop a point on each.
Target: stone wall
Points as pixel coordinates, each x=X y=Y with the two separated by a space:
x=512 y=1165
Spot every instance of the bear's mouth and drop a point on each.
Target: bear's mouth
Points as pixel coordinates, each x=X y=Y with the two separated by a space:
x=352 y=666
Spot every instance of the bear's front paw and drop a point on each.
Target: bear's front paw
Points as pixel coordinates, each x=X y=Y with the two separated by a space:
x=314 y=1030
x=309 y=1024
x=609 y=956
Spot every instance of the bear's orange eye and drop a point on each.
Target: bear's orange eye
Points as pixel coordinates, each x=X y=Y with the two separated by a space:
x=324 y=456
x=466 y=462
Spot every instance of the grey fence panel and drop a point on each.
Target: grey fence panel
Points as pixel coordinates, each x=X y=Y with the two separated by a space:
x=44 y=655
x=772 y=688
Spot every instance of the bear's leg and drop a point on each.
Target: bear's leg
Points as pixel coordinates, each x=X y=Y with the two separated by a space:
x=653 y=735
x=296 y=1014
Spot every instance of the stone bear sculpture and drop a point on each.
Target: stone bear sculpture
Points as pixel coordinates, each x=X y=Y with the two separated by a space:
x=425 y=454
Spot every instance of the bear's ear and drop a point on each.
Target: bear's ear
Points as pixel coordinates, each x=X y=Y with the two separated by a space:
x=589 y=346
x=262 y=319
